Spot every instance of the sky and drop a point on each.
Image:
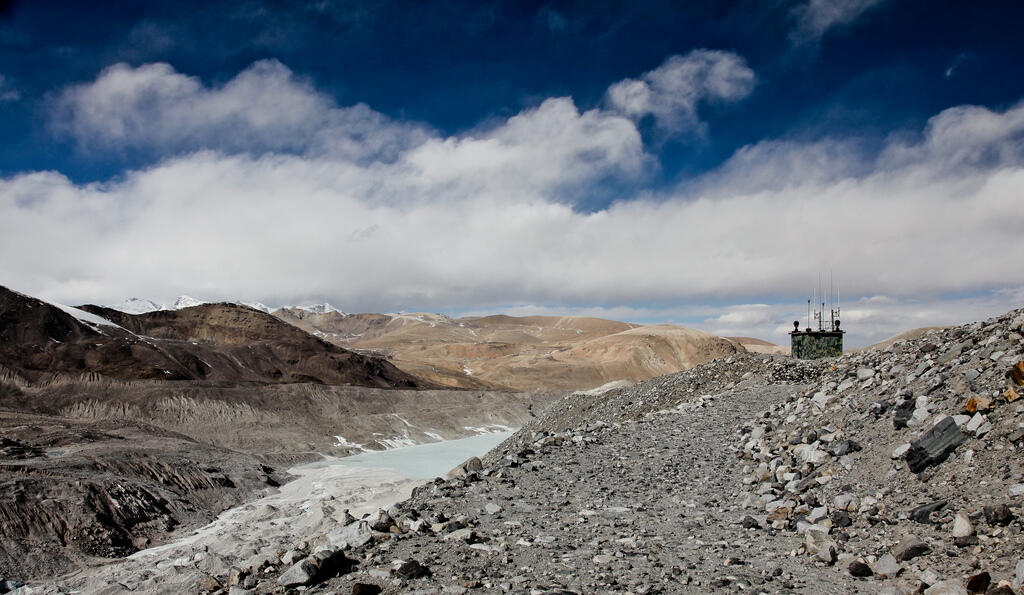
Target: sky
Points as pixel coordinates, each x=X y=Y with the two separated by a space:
x=700 y=163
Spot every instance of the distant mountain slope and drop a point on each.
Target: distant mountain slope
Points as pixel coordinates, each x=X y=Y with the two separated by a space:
x=520 y=353
x=759 y=346
x=904 y=336
x=213 y=342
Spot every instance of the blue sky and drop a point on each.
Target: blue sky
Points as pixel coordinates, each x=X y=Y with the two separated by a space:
x=642 y=160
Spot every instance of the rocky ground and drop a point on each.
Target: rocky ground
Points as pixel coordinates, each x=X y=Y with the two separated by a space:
x=74 y=493
x=887 y=471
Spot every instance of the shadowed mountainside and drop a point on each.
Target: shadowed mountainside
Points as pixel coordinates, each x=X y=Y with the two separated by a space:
x=220 y=343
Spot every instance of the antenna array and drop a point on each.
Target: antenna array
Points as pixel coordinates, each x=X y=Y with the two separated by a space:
x=824 y=302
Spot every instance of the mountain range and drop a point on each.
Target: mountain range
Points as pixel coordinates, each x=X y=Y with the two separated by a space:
x=504 y=352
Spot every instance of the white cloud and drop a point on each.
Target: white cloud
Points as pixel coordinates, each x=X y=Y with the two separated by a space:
x=484 y=219
x=264 y=108
x=7 y=91
x=816 y=17
x=673 y=92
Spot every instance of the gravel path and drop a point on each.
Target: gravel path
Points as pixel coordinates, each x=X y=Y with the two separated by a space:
x=644 y=507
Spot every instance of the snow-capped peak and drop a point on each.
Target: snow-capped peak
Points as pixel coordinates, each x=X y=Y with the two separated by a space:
x=323 y=308
x=185 y=301
x=257 y=306
x=136 y=306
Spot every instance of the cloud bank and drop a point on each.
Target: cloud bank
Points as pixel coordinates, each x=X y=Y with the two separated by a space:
x=376 y=215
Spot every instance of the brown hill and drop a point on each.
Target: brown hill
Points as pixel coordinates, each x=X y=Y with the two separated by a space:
x=760 y=346
x=220 y=343
x=520 y=353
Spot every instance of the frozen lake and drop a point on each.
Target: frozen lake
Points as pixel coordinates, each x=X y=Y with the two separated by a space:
x=423 y=461
x=303 y=509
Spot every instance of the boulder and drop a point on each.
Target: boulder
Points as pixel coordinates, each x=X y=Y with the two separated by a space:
x=844 y=447
x=381 y=521
x=979 y=583
x=909 y=548
x=470 y=465
x=841 y=518
x=865 y=373
x=887 y=566
x=859 y=569
x=300 y=574
x=411 y=569
x=848 y=502
x=998 y=514
x=900 y=451
x=935 y=445
x=946 y=588
x=332 y=563
x=904 y=411
x=977 y=403
x=351 y=536
x=821 y=545
x=1016 y=374
x=922 y=514
x=962 y=526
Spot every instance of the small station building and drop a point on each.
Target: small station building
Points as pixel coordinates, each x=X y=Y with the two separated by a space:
x=825 y=341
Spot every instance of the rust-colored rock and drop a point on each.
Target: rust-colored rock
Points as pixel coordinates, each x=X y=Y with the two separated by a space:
x=1017 y=373
x=977 y=403
x=1011 y=395
x=979 y=583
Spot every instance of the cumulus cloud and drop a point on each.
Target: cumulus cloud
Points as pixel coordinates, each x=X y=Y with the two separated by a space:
x=673 y=92
x=266 y=107
x=817 y=17
x=482 y=220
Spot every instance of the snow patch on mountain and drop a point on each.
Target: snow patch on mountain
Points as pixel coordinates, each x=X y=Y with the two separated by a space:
x=185 y=301
x=86 y=318
x=143 y=306
x=257 y=306
x=323 y=308
x=136 y=306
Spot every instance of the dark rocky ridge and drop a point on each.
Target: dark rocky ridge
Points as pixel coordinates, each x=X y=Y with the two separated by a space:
x=72 y=493
x=218 y=343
